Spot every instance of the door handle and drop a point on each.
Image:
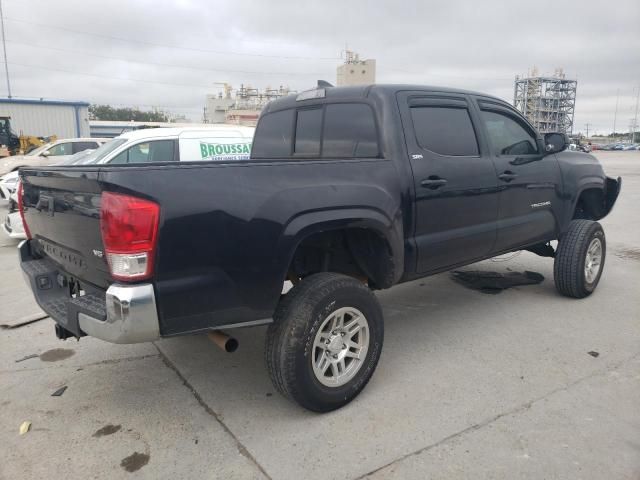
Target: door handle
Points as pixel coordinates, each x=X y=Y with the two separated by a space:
x=507 y=176
x=433 y=182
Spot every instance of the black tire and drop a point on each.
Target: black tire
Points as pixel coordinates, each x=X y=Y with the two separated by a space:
x=289 y=343
x=569 y=265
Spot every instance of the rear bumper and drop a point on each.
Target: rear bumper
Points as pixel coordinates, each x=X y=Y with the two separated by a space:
x=121 y=314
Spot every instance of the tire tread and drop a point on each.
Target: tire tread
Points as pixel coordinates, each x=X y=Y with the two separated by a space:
x=290 y=326
x=567 y=268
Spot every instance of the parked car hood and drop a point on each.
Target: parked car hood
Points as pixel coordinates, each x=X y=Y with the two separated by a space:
x=9 y=164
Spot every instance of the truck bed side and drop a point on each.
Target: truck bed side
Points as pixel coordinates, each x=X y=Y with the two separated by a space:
x=227 y=231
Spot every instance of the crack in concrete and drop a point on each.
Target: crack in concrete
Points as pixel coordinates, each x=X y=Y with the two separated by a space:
x=109 y=361
x=514 y=411
x=241 y=448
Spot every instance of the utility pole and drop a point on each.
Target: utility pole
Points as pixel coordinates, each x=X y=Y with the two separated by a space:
x=587 y=125
x=635 y=118
x=4 y=48
x=615 y=115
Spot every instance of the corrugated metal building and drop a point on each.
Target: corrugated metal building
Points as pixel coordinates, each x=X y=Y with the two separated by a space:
x=43 y=118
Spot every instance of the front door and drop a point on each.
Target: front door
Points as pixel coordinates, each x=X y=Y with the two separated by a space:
x=455 y=185
x=529 y=181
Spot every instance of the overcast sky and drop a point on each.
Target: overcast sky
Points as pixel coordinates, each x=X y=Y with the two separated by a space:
x=171 y=53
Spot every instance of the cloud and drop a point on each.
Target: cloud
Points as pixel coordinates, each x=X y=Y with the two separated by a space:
x=126 y=55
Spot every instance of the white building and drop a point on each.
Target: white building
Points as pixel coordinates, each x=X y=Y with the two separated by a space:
x=355 y=71
x=43 y=118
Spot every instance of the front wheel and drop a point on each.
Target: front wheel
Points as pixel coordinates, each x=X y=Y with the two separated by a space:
x=325 y=342
x=580 y=259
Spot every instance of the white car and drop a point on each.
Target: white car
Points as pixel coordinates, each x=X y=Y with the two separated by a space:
x=50 y=153
x=8 y=184
x=184 y=144
x=12 y=224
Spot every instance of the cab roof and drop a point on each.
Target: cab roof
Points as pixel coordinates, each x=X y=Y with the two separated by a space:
x=363 y=91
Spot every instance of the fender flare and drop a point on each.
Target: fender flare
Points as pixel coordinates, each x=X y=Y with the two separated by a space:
x=308 y=223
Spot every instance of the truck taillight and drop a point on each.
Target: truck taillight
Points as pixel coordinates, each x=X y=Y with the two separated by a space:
x=21 y=209
x=129 y=227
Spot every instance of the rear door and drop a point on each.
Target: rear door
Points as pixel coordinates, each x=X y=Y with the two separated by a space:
x=455 y=181
x=529 y=181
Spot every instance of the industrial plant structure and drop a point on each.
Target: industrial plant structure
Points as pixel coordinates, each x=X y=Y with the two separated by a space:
x=547 y=102
x=244 y=107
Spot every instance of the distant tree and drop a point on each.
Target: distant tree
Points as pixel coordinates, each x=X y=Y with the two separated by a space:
x=107 y=112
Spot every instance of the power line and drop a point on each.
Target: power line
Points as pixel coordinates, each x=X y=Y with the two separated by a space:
x=40 y=67
x=177 y=47
x=202 y=50
x=159 y=64
x=4 y=48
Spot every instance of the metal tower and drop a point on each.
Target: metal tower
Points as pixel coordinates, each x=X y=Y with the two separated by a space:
x=547 y=102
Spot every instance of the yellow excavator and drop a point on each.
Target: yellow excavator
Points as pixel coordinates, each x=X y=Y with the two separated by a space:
x=12 y=144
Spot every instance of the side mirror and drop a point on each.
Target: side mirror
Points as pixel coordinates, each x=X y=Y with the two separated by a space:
x=45 y=153
x=555 y=142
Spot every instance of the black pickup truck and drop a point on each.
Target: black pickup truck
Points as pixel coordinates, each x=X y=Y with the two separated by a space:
x=347 y=190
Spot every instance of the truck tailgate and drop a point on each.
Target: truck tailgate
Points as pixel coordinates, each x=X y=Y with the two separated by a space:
x=62 y=212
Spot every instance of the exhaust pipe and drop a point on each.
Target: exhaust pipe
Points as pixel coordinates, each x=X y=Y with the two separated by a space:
x=224 y=341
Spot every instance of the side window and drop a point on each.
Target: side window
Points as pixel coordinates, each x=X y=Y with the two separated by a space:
x=273 y=135
x=308 y=127
x=507 y=136
x=155 y=151
x=161 y=151
x=445 y=130
x=61 y=149
x=120 y=158
x=81 y=146
x=349 y=131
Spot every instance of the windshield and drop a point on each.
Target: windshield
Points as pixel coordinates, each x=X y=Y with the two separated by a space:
x=95 y=156
x=76 y=158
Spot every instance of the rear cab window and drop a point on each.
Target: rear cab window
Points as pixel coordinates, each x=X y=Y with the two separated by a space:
x=349 y=131
x=274 y=135
x=332 y=130
x=308 y=132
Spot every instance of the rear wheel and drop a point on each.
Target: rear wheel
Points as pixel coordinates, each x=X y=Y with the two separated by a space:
x=580 y=259
x=325 y=342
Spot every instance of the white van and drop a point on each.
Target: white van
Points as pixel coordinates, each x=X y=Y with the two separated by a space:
x=219 y=142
